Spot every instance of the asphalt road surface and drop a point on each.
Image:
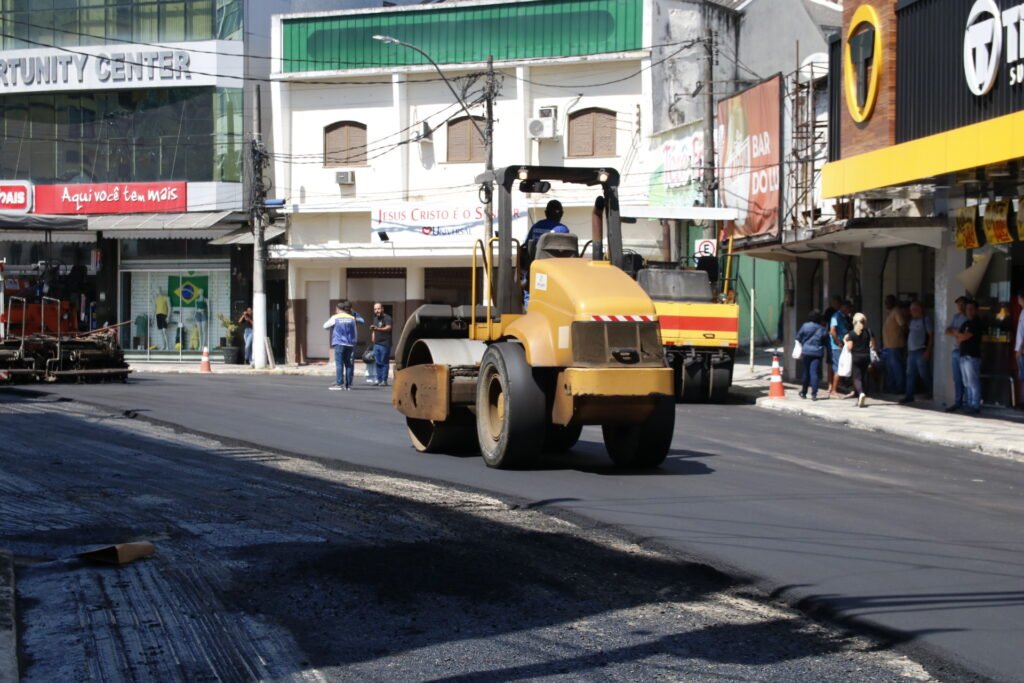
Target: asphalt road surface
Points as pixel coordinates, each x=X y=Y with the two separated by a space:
x=925 y=542
x=271 y=567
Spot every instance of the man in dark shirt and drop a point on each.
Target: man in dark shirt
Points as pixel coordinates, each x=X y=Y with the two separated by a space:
x=381 y=331
x=552 y=221
x=969 y=336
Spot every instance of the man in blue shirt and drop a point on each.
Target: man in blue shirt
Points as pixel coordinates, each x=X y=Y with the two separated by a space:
x=838 y=327
x=920 y=333
x=343 y=340
x=552 y=222
x=958 y=378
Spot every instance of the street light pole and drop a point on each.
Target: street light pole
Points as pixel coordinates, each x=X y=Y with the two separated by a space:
x=486 y=134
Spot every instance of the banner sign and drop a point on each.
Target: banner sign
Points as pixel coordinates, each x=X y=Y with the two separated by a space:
x=160 y=197
x=676 y=182
x=749 y=133
x=15 y=196
x=997 y=223
x=437 y=224
x=966 y=227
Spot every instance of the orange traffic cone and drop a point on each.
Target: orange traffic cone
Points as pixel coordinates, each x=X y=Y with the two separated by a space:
x=775 y=387
x=204 y=364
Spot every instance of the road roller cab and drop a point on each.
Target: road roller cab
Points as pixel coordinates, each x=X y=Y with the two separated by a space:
x=515 y=381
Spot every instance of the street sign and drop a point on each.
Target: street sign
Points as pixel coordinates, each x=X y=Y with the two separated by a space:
x=705 y=248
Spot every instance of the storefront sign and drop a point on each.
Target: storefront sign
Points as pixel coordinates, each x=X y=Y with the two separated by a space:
x=997 y=226
x=749 y=132
x=984 y=45
x=436 y=224
x=676 y=182
x=967 y=227
x=167 y=197
x=203 y=63
x=863 y=62
x=15 y=196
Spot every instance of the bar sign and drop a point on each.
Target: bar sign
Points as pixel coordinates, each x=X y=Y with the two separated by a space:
x=15 y=196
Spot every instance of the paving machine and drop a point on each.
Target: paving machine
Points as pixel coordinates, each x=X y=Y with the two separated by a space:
x=515 y=383
x=41 y=340
x=700 y=332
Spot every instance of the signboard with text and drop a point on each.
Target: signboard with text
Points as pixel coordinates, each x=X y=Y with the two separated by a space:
x=98 y=198
x=15 y=196
x=749 y=133
x=676 y=182
x=441 y=224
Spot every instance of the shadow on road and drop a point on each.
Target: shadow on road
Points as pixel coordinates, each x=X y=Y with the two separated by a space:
x=354 y=577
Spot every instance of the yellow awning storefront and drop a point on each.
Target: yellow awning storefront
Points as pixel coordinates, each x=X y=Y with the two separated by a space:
x=980 y=144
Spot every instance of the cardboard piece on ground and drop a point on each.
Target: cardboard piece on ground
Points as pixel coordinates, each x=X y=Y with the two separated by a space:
x=270 y=353
x=122 y=553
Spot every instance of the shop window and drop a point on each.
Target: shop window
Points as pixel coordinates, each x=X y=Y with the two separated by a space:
x=592 y=133
x=345 y=144
x=465 y=144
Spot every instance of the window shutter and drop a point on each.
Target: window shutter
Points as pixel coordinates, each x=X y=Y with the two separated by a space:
x=345 y=144
x=478 y=149
x=581 y=135
x=604 y=133
x=458 y=140
x=356 y=153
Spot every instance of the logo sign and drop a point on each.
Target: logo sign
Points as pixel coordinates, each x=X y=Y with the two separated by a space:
x=983 y=45
x=426 y=224
x=169 y=197
x=44 y=69
x=705 y=248
x=15 y=196
x=863 y=63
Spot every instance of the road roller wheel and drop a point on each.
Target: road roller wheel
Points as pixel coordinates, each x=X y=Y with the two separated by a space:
x=559 y=439
x=644 y=445
x=695 y=382
x=455 y=435
x=509 y=408
x=718 y=386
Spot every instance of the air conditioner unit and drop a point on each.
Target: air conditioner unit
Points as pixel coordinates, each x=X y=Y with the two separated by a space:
x=545 y=125
x=345 y=177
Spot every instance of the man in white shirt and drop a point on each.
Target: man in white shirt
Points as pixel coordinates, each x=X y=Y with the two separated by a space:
x=1018 y=345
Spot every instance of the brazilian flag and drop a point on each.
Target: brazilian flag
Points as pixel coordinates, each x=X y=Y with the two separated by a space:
x=184 y=289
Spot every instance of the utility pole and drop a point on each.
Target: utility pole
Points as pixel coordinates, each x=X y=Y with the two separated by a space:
x=259 y=195
x=709 y=115
x=489 y=142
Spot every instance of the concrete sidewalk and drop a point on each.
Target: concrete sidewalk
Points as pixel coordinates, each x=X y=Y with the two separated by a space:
x=997 y=431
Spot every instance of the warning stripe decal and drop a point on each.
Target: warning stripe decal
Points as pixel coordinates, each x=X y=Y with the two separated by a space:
x=625 y=318
x=690 y=322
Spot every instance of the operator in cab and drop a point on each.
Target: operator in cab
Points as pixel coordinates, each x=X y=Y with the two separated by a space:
x=552 y=222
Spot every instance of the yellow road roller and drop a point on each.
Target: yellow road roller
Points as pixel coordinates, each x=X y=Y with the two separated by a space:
x=554 y=337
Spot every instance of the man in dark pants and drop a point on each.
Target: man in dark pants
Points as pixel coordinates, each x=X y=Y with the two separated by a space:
x=969 y=337
x=920 y=334
x=381 y=330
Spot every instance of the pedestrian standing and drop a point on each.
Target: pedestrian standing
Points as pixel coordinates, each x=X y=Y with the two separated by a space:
x=245 y=320
x=1018 y=346
x=834 y=304
x=894 y=343
x=839 y=326
x=812 y=337
x=380 y=329
x=860 y=342
x=343 y=340
x=969 y=336
x=958 y=376
x=920 y=334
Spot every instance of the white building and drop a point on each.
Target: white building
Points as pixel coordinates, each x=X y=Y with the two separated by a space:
x=377 y=160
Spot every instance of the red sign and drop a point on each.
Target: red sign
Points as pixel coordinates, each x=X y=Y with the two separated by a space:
x=749 y=134
x=112 y=198
x=15 y=196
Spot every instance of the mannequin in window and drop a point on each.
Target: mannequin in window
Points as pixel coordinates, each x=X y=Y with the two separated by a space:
x=201 y=317
x=162 y=306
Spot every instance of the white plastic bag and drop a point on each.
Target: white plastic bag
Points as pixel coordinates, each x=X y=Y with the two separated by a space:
x=845 y=363
x=798 y=349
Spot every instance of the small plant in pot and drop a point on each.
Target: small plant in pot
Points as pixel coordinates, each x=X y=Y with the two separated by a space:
x=228 y=342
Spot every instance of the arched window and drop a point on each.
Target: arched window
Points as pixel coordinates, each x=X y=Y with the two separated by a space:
x=465 y=144
x=345 y=144
x=592 y=133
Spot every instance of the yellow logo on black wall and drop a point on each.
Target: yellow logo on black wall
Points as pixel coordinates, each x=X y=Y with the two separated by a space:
x=862 y=67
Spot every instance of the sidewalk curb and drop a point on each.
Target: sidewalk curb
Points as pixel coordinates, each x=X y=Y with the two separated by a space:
x=965 y=442
x=8 y=622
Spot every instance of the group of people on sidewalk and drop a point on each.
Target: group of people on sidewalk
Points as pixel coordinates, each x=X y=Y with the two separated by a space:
x=344 y=335
x=905 y=354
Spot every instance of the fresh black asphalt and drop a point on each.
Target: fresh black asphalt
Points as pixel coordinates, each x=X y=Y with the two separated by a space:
x=923 y=541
